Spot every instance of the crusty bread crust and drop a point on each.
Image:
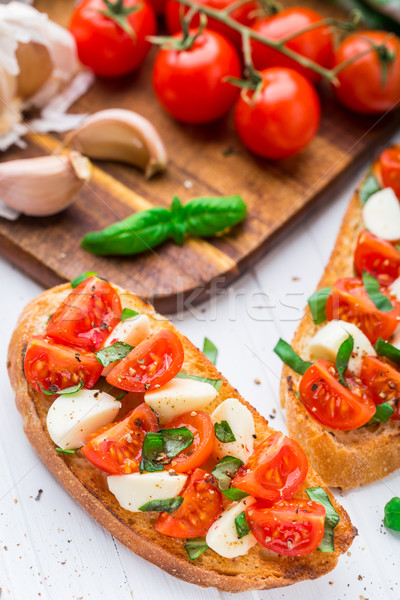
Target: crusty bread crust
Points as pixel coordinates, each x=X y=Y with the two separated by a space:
x=344 y=459
x=259 y=569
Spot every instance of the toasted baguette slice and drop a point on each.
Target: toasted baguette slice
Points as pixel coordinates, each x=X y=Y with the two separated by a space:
x=344 y=459
x=259 y=569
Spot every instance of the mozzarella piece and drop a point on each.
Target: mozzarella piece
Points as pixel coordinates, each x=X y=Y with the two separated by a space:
x=381 y=214
x=241 y=423
x=326 y=343
x=73 y=417
x=179 y=396
x=132 y=491
x=222 y=536
x=394 y=288
x=132 y=331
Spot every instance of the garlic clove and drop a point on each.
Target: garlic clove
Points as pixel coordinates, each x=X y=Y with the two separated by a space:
x=43 y=186
x=123 y=136
x=35 y=67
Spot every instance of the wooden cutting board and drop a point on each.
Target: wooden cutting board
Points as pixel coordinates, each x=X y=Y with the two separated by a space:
x=207 y=160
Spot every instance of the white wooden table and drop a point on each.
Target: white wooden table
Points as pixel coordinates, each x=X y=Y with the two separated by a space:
x=51 y=549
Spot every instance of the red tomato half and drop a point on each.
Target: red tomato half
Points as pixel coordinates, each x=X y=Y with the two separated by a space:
x=316 y=44
x=117 y=448
x=274 y=471
x=153 y=363
x=390 y=169
x=291 y=527
x=200 y=424
x=56 y=367
x=330 y=402
x=103 y=45
x=282 y=119
x=201 y=506
x=350 y=302
x=190 y=84
x=378 y=257
x=383 y=381
x=87 y=316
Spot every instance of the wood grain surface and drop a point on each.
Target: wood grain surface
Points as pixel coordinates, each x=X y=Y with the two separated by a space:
x=206 y=160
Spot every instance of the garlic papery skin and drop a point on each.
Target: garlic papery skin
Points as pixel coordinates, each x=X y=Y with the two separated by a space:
x=123 y=136
x=43 y=186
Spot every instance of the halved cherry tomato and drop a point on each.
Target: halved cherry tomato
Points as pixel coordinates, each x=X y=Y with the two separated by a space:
x=383 y=381
x=274 y=471
x=153 y=363
x=117 y=448
x=330 y=402
x=87 y=316
x=201 y=506
x=200 y=424
x=350 y=302
x=290 y=527
x=390 y=169
x=378 y=257
x=56 y=367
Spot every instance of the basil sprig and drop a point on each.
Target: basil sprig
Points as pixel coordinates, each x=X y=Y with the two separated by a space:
x=116 y=351
x=317 y=304
x=234 y=494
x=214 y=382
x=200 y=217
x=160 y=448
x=343 y=357
x=372 y=286
x=195 y=547
x=224 y=471
x=383 y=413
x=53 y=389
x=210 y=350
x=331 y=518
x=392 y=514
x=128 y=313
x=290 y=358
x=65 y=451
x=241 y=525
x=223 y=432
x=75 y=282
x=168 y=505
x=386 y=349
x=368 y=187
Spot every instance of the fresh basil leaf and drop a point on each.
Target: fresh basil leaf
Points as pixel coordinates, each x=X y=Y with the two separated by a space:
x=386 y=349
x=178 y=225
x=176 y=440
x=166 y=444
x=128 y=313
x=195 y=547
x=116 y=351
x=65 y=451
x=224 y=471
x=372 y=286
x=120 y=396
x=332 y=518
x=210 y=350
x=75 y=282
x=207 y=216
x=317 y=304
x=342 y=358
x=168 y=505
x=290 y=358
x=153 y=447
x=223 y=432
x=392 y=514
x=242 y=526
x=53 y=389
x=368 y=187
x=383 y=413
x=234 y=494
x=214 y=382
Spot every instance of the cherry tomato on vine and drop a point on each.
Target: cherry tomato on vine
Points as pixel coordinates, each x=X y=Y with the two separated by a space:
x=389 y=162
x=383 y=381
x=282 y=118
x=111 y=38
x=316 y=44
x=190 y=83
x=370 y=84
x=378 y=257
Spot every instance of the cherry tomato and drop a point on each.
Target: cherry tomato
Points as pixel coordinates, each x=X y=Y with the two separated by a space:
x=242 y=14
x=56 y=367
x=103 y=45
x=200 y=424
x=316 y=44
x=383 y=381
x=190 y=83
x=330 y=402
x=87 y=316
x=378 y=257
x=153 y=363
x=290 y=527
x=350 y=302
x=389 y=162
x=201 y=506
x=158 y=6
x=274 y=471
x=117 y=448
x=282 y=119
x=370 y=84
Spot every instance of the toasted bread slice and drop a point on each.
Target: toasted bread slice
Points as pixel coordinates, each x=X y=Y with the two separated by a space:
x=344 y=459
x=259 y=569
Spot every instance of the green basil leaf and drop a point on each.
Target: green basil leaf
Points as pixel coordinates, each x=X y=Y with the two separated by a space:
x=152 y=449
x=223 y=432
x=368 y=187
x=386 y=349
x=168 y=505
x=120 y=396
x=234 y=494
x=207 y=216
x=176 y=440
x=392 y=514
x=195 y=547
x=372 y=286
x=178 y=225
x=383 y=413
x=242 y=526
x=331 y=519
x=166 y=444
x=110 y=354
x=224 y=471
x=214 y=382
x=290 y=358
x=210 y=350
x=128 y=313
x=65 y=451
x=342 y=358
x=75 y=282
x=317 y=304
x=53 y=389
